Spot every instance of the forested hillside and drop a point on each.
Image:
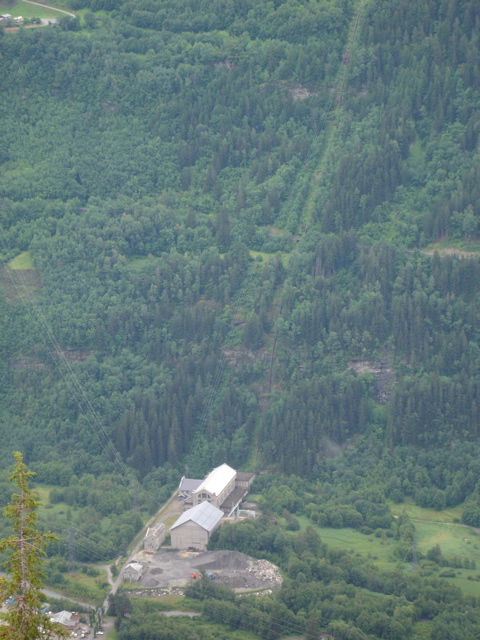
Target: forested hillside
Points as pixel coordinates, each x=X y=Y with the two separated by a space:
x=229 y=213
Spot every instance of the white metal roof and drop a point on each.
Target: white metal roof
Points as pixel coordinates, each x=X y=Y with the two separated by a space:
x=134 y=565
x=203 y=514
x=217 y=480
x=63 y=617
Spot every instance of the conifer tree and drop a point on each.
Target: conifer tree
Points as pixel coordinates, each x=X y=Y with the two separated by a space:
x=24 y=619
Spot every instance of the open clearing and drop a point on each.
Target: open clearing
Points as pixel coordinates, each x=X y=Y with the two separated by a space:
x=19 y=8
x=230 y=568
x=378 y=550
x=415 y=512
x=455 y=540
x=22 y=261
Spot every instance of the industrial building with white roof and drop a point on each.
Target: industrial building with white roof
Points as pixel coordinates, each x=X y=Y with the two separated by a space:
x=216 y=487
x=223 y=490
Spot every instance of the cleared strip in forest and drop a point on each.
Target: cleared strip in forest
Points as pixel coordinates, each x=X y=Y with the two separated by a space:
x=11 y=280
x=337 y=95
x=319 y=147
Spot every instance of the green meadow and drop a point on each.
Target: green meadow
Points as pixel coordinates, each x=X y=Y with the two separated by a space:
x=379 y=550
x=23 y=260
x=456 y=542
x=413 y=511
x=20 y=8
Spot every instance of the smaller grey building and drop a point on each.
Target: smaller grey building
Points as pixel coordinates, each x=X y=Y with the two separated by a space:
x=154 y=537
x=193 y=528
x=133 y=571
x=186 y=487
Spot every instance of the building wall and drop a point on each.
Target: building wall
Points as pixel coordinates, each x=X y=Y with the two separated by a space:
x=245 y=483
x=131 y=574
x=203 y=496
x=188 y=535
x=215 y=500
x=154 y=541
x=225 y=493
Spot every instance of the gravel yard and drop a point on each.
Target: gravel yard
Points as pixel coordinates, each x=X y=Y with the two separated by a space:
x=230 y=568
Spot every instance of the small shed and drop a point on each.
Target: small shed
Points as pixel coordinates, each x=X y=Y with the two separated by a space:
x=64 y=618
x=133 y=571
x=194 y=527
x=154 y=537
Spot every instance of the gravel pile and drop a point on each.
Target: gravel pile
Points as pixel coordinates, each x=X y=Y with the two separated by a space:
x=264 y=571
x=149 y=582
x=255 y=574
x=223 y=560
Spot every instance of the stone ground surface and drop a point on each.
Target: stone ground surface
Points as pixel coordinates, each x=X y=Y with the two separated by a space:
x=230 y=568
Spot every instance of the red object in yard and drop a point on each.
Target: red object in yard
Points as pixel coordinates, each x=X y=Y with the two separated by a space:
x=194 y=576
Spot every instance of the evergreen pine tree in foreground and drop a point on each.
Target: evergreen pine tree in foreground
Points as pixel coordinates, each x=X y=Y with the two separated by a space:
x=24 y=619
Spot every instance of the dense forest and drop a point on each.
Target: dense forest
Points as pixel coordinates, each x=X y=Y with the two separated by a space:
x=247 y=231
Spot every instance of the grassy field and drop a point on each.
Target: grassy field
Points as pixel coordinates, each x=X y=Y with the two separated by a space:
x=23 y=260
x=413 y=511
x=377 y=549
x=79 y=586
x=46 y=508
x=432 y=528
x=19 y=8
x=453 y=539
x=88 y=586
x=443 y=528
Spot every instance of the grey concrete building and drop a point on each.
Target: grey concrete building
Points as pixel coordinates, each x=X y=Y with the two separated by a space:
x=194 y=527
x=133 y=571
x=186 y=488
x=154 y=537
